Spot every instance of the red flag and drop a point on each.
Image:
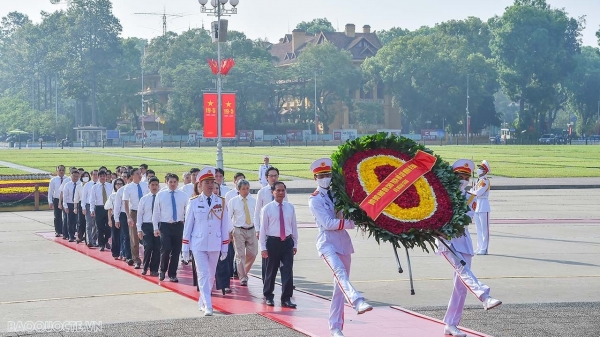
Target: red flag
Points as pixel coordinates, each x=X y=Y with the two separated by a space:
x=210 y=115
x=213 y=65
x=226 y=65
x=228 y=108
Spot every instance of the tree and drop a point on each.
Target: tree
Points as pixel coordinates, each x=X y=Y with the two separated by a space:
x=366 y=114
x=583 y=88
x=337 y=77
x=316 y=26
x=428 y=75
x=387 y=36
x=535 y=48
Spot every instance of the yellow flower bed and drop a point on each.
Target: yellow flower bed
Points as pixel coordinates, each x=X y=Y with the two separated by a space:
x=6 y=182
x=369 y=181
x=31 y=189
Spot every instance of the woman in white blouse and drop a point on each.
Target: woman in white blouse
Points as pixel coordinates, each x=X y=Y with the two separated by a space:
x=115 y=233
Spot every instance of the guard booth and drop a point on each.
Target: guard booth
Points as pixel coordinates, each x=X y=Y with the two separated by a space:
x=91 y=135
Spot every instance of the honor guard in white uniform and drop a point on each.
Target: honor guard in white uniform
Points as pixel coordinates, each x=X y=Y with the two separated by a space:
x=335 y=246
x=462 y=249
x=262 y=171
x=481 y=191
x=206 y=234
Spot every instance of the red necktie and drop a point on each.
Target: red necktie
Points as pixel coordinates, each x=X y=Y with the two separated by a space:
x=281 y=223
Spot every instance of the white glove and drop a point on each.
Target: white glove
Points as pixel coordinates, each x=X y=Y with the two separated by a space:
x=348 y=224
x=185 y=252
x=223 y=256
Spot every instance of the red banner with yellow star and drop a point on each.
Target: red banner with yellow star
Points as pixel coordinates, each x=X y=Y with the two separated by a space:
x=228 y=108
x=210 y=115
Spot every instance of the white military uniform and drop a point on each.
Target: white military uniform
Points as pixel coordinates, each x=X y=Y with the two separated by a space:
x=206 y=234
x=262 y=171
x=335 y=246
x=481 y=191
x=463 y=276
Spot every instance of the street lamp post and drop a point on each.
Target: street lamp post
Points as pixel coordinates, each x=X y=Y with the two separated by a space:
x=218 y=10
x=468 y=117
x=316 y=116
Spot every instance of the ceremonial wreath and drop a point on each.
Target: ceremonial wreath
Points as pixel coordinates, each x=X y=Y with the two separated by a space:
x=398 y=191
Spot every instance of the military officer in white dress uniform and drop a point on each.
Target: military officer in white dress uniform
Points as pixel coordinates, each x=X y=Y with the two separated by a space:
x=262 y=172
x=463 y=277
x=335 y=246
x=481 y=191
x=206 y=234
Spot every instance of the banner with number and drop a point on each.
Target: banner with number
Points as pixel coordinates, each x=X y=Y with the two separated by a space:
x=228 y=108
x=210 y=115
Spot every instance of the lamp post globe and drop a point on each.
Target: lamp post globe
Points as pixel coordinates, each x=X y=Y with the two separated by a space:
x=234 y=2
x=214 y=3
x=223 y=2
x=203 y=2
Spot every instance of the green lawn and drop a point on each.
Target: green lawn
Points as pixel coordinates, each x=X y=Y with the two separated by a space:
x=509 y=161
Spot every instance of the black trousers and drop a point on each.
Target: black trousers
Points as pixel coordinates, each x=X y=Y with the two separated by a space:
x=281 y=256
x=170 y=240
x=58 y=220
x=102 y=224
x=81 y=223
x=151 y=248
x=71 y=221
x=115 y=233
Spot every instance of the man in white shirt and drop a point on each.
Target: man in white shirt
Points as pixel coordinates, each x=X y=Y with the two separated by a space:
x=91 y=235
x=98 y=197
x=263 y=197
x=234 y=192
x=131 y=196
x=220 y=179
x=188 y=189
x=244 y=234
x=168 y=216
x=146 y=231
x=278 y=245
x=262 y=172
x=53 y=198
x=143 y=170
x=69 y=204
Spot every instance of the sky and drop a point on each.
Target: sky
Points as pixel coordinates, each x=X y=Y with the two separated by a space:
x=272 y=19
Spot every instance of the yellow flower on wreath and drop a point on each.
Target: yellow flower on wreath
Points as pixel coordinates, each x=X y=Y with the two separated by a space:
x=369 y=181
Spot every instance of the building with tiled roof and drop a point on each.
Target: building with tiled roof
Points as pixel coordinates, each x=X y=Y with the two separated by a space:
x=361 y=45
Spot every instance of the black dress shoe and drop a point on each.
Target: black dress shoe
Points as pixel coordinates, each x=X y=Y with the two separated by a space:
x=288 y=304
x=90 y=245
x=56 y=235
x=161 y=276
x=173 y=279
x=65 y=238
x=153 y=273
x=130 y=262
x=271 y=303
x=144 y=272
x=101 y=248
x=71 y=240
x=78 y=241
x=107 y=245
x=137 y=266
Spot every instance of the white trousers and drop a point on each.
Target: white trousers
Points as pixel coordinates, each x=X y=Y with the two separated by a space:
x=463 y=280
x=206 y=267
x=342 y=288
x=482 y=221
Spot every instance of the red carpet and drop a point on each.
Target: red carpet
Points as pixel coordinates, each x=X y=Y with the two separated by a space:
x=311 y=316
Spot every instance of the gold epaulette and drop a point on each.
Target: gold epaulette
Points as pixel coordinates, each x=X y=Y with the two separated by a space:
x=194 y=197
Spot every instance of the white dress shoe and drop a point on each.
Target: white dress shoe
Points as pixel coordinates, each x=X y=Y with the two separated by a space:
x=208 y=312
x=362 y=307
x=491 y=303
x=482 y=252
x=336 y=333
x=452 y=330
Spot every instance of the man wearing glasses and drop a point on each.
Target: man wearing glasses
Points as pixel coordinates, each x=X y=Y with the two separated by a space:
x=334 y=246
x=263 y=197
x=132 y=194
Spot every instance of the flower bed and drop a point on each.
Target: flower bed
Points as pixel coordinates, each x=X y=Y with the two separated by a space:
x=19 y=190
x=432 y=206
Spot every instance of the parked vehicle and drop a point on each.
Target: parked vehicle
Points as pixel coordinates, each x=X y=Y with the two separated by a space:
x=547 y=139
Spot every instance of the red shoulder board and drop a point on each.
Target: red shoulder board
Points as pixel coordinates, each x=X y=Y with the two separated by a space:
x=315 y=193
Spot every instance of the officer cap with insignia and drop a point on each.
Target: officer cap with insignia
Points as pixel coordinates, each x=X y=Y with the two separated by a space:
x=206 y=174
x=463 y=167
x=484 y=166
x=322 y=165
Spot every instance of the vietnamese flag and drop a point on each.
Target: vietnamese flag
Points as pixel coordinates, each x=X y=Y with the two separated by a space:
x=210 y=115
x=228 y=109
